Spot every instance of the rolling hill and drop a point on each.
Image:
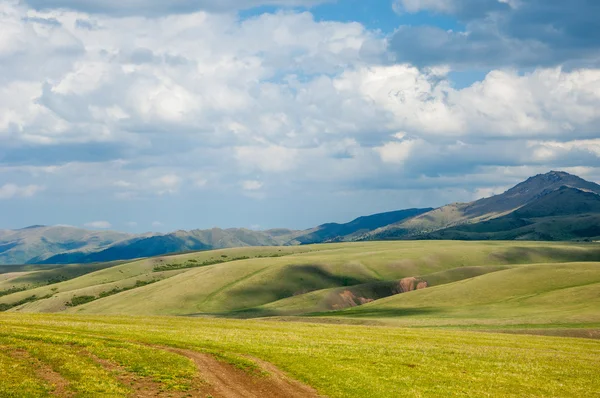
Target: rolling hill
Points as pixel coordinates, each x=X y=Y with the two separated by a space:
x=283 y=281
x=567 y=293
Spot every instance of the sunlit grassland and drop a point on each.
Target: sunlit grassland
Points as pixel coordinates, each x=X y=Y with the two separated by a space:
x=542 y=294
x=338 y=360
x=269 y=275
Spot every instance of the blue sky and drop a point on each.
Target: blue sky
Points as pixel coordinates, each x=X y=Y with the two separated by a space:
x=145 y=115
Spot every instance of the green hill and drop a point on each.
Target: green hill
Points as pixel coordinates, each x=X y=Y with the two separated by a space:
x=556 y=294
x=253 y=282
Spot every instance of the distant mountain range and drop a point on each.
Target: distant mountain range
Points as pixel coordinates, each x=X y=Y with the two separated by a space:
x=552 y=206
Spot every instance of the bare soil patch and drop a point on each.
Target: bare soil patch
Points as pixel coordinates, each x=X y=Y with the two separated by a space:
x=45 y=372
x=224 y=380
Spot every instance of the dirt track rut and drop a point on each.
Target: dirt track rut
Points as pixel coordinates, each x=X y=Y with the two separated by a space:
x=226 y=381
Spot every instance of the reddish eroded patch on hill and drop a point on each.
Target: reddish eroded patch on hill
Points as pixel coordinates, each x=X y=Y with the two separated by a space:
x=347 y=299
x=350 y=298
x=60 y=386
x=411 y=283
x=224 y=380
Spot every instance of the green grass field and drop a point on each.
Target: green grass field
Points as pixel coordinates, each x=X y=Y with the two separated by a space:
x=278 y=281
x=345 y=319
x=339 y=361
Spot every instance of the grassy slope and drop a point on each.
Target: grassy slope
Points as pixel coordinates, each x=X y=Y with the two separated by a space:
x=127 y=274
x=349 y=361
x=539 y=293
x=244 y=284
x=40 y=277
x=336 y=298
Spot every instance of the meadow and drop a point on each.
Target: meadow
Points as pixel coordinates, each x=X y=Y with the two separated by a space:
x=369 y=319
x=115 y=356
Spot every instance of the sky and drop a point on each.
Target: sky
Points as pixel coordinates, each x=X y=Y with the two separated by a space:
x=153 y=115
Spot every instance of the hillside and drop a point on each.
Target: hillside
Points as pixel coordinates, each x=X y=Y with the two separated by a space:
x=484 y=209
x=349 y=231
x=180 y=241
x=37 y=243
x=538 y=294
x=563 y=214
x=276 y=281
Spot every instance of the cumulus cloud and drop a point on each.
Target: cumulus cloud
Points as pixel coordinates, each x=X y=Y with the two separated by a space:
x=10 y=191
x=520 y=33
x=275 y=106
x=160 y=7
x=98 y=225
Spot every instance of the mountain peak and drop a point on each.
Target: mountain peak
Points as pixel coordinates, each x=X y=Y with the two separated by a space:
x=554 y=176
x=528 y=190
x=33 y=227
x=552 y=180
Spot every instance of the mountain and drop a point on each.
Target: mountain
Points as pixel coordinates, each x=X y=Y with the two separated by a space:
x=481 y=210
x=38 y=241
x=551 y=206
x=334 y=232
x=179 y=241
x=564 y=214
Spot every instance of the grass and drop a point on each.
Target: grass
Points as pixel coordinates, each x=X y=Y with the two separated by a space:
x=539 y=293
x=469 y=333
x=74 y=358
x=283 y=280
x=234 y=286
x=338 y=361
x=19 y=378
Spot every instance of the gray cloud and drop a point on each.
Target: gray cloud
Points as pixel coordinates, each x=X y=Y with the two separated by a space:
x=161 y=7
x=524 y=33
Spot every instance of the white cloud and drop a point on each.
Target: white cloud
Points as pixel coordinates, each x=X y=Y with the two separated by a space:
x=10 y=191
x=412 y=6
x=130 y=108
x=486 y=192
x=167 y=184
x=269 y=159
x=252 y=185
x=160 y=7
x=397 y=151
x=98 y=225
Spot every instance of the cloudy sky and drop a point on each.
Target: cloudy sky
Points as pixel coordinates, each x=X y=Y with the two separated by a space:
x=142 y=115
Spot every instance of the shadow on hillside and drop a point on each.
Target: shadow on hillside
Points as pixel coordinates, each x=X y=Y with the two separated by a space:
x=258 y=312
x=291 y=281
x=380 y=312
x=518 y=255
